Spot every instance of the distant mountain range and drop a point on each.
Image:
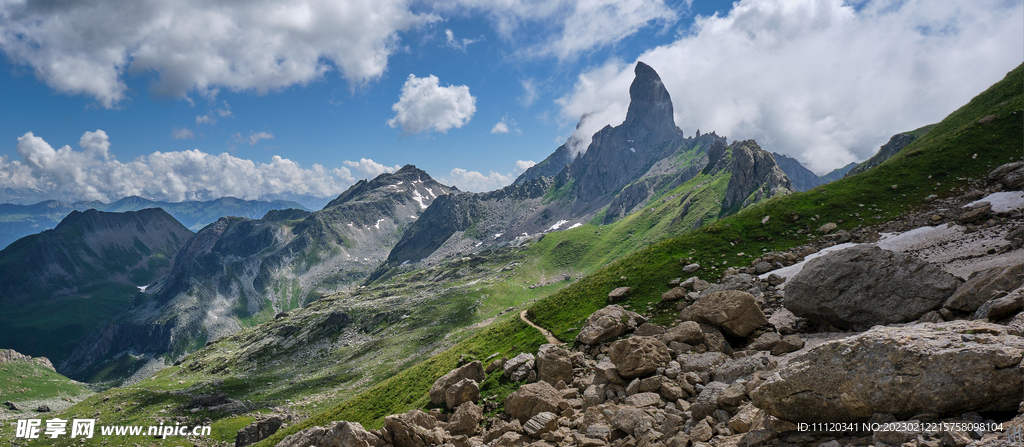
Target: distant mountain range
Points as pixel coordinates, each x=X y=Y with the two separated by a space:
x=17 y=221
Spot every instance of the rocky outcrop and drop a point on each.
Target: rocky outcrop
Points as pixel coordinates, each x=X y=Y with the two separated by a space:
x=10 y=355
x=531 y=399
x=755 y=176
x=258 y=430
x=1010 y=176
x=942 y=368
x=862 y=286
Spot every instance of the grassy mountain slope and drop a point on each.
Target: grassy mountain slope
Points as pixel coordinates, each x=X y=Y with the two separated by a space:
x=939 y=163
x=29 y=384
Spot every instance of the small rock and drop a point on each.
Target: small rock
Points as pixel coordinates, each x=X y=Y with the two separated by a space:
x=473 y=370
x=690 y=268
x=701 y=431
x=519 y=367
x=734 y=311
x=43 y=409
x=542 y=423
x=999 y=308
x=638 y=356
x=11 y=406
x=618 y=294
x=465 y=390
x=827 y=228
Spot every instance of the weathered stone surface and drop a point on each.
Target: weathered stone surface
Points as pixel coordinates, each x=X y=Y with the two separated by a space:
x=465 y=420
x=765 y=342
x=690 y=268
x=707 y=401
x=979 y=211
x=473 y=370
x=827 y=228
x=531 y=399
x=686 y=332
x=984 y=285
x=789 y=343
x=701 y=431
x=336 y=434
x=674 y=294
x=638 y=356
x=554 y=364
x=742 y=368
x=1010 y=175
x=649 y=330
x=734 y=311
x=1000 y=307
x=518 y=368
x=413 y=429
x=949 y=367
x=465 y=390
x=864 y=285
x=695 y=284
x=744 y=418
x=643 y=400
x=258 y=430
x=608 y=323
x=542 y=423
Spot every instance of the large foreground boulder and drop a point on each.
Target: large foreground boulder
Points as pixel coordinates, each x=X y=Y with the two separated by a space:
x=735 y=311
x=638 y=356
x=943 y=368
x=863 y=286
x=554 y=364
x=473 y=371
x=608 y=323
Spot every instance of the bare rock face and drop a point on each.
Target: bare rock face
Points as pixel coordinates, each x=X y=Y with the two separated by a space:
x=531 y=399
x=734 y=311
x=686 y=332
x=1010 y=175
x=473 y=371
x=983 y=286
x=337 y=434
x=554 y=364
x=258 y=430
x=754 y=171
x=943 y=368
x=638 y=356
x=608 y=323
x=863 y=286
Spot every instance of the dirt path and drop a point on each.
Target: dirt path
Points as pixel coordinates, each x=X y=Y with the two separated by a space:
x=547 y=333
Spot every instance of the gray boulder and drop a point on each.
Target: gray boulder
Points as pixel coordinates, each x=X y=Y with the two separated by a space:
x=531 y=399
x=734 y=311
x=466 y=419
x=608 y=323
x=686 y=332
x=413 y=429
x=518 y=368
x=984 y=285
x=863 y=286
x=465 y=390
x=638 y=356
x=473 y=370
x=943 y=368
x=554 y=364
x=258 y=430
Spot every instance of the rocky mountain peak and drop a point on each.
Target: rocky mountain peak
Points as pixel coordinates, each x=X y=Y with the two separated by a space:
x=650 y=106
x=755 y=175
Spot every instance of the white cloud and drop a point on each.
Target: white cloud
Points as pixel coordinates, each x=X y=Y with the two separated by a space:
x=529 y=92
x=475 y=181
x=206 y=119
x=182 y=133
x=505 y=125
x=459 y=44
x=568 y=28
x=89 y=47
x=257 y=136
x=425 y=106
x=821 y=81
x=369 y=169
x=94 y=174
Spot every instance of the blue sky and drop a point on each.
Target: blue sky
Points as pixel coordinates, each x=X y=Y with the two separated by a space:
x=176 y=100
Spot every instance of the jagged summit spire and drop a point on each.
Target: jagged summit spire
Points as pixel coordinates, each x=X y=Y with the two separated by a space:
x=650 y=106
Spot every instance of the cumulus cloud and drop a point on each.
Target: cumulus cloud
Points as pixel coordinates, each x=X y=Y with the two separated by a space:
x=505 y=125
x=93 y=173
x=368 y=168
x=89 y=47
x=819 y=80
x=182 y=133
x=425 y=106
x=475 y=181
x=568 y=28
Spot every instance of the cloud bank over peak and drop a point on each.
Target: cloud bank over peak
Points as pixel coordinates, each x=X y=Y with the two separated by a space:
x=89 y=47
x=93 y=173
x=477 y=182
x=819 y=80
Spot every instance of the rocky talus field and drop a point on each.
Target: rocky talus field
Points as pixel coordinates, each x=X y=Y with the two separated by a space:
x=895 y=351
